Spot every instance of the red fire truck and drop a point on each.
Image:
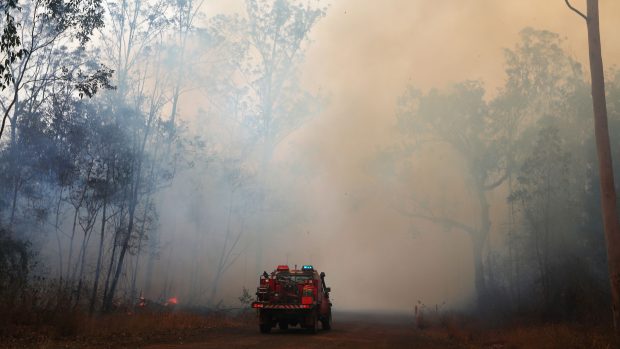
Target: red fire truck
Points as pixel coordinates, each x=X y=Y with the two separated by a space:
x=291 y=297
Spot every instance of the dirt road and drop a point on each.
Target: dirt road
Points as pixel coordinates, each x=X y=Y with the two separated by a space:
x=349 y=331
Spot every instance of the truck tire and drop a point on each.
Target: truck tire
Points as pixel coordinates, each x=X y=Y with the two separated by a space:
x=283 y=325
x=326 y=323
x=314 y=327
x=265 y=328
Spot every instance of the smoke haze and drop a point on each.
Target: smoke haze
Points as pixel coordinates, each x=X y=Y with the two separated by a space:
x=361 y=56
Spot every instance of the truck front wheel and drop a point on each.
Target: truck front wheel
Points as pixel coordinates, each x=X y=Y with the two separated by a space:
x=326 y=323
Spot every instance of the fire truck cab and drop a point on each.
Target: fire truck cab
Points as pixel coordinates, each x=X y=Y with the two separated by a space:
x=292 y=297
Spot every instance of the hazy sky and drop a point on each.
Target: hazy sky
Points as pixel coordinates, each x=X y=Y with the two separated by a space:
x=368 y=48
x=374 y=49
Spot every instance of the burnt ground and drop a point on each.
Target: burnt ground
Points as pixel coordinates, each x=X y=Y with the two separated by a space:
x=349 y=331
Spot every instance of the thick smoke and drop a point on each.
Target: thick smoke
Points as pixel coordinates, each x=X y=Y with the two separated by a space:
x=361 y=56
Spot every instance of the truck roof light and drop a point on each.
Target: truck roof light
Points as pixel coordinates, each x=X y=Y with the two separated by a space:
x=307 y=267
x=283 y=267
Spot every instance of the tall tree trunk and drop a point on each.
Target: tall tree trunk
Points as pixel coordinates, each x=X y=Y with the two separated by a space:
x=107 y=302
x=479 y=282
x=479 y=241
x=134 y=196
x=93 y=297
x=14 y=151
x=106 y=286
x=75 y=219
x=82 y=256
x=515 y=292
x=57 y=230
x=608 y=191
x=15 y=191
x=134 y=276
x=70 y=257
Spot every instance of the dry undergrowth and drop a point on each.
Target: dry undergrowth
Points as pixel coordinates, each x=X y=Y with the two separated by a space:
x=78 y=330
x=468 y=332
x=147 y=323
x=553 y=336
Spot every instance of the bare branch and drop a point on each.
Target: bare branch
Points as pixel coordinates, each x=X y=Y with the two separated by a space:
x=576 y=10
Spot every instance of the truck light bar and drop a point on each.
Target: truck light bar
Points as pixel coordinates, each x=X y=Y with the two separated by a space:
x=307 y=267
x=283 y=267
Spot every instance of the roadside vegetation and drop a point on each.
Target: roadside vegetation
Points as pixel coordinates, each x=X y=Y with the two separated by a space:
x=467 y=331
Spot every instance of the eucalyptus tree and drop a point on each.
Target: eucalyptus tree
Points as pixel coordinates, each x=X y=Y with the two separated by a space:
x=133 y=43
x=277 y=33
x=459 y=118
x=543 y=81
x=58 y=163
x=611 y=222
x=45 y=25
x=545 y=196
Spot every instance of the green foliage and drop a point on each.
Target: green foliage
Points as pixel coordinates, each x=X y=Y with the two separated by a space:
x=80 y=18
x=10 y=41
x=15 y=259
x=89 y=85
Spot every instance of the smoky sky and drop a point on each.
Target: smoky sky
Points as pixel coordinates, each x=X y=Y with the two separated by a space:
x=361 y=56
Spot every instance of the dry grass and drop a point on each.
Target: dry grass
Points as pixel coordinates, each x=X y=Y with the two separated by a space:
x=550 y=336
x=78 y=330
x=120 y=324
x=468 y=332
